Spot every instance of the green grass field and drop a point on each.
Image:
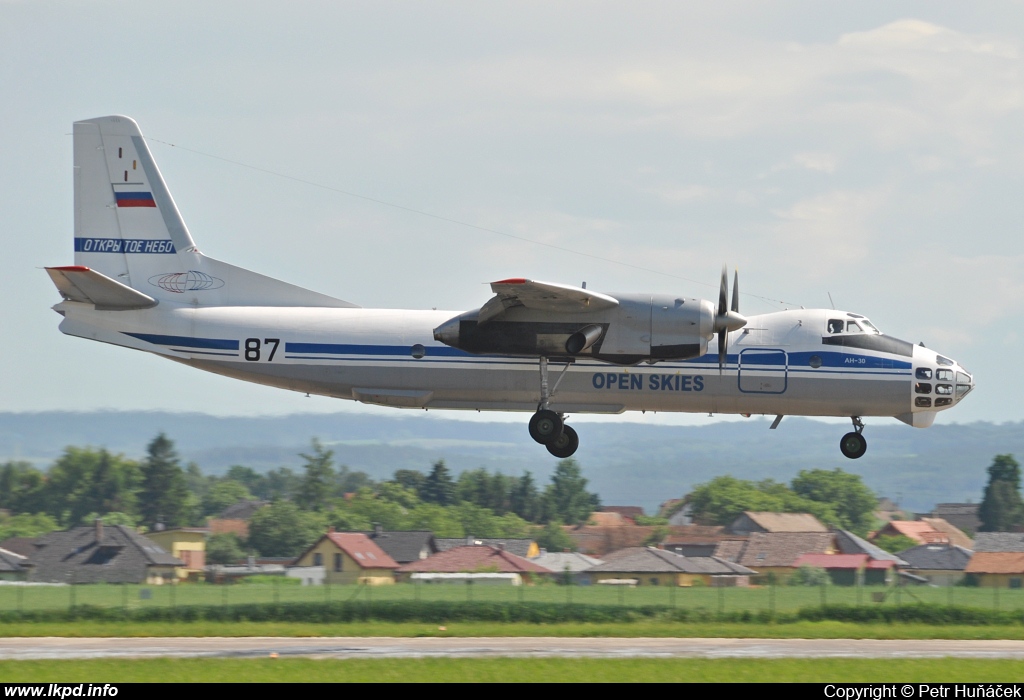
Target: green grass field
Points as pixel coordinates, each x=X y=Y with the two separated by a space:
x=755 y=599
x=794 y=630
x=542 y=670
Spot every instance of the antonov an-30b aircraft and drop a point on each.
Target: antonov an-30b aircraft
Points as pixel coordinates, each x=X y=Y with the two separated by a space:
x=139 y=281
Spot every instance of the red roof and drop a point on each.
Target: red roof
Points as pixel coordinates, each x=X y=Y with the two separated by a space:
x=832 y=561
x=474 y=559
x=362 y=549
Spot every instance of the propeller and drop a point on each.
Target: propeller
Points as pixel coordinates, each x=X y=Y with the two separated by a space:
x=727 y=319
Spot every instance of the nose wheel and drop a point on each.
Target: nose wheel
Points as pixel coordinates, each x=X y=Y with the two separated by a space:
x=853 y=445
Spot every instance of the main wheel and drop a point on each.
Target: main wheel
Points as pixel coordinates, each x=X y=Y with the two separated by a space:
x=546 y=426
x=566 y=444
x=853 y=445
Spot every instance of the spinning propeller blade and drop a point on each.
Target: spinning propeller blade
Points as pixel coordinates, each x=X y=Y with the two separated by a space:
x=727 y=319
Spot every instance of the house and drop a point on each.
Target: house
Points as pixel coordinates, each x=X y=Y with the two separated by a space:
x=187 y=544
x=774 y=554
x=23 y=546
x=474 y=558
x=235 y=519
x=628 y=513
x=851 y=569
x=404 y=546
x=697 y=540
x=100 y=554
x=519 y=547
x=11 y=566
x=849 y=543
x=963 y=516
x=954 y=534
x=917 y=530
x=941 y=564
x=649 y=566
x=571 y=565
x=350 y=557
x=754 y=521
x=998 y=560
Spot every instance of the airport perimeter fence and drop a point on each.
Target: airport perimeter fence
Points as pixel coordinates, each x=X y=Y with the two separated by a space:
x=767 y=600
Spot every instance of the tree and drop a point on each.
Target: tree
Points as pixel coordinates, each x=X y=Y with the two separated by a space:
x=164 y=497
x=809 y=576
x=283 y=530
x=224 y=548
x=439 y=487
x=895 y=543
x=22 y=488
x=224 y=493
x=27 y=525
x=1001 y=508
x=721 y=500
x=566 y=497
x=317 y=488
x=525 y=500
x=410 y=478
x=852 y=502
x=554 y=538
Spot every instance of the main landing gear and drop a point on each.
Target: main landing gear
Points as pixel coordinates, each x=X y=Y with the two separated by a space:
x=547 y=427
x=853 y=445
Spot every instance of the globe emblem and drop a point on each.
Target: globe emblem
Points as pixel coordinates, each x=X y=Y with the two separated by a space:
x=181 y=282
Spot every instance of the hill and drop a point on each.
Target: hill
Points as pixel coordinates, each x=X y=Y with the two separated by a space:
x=626 y=463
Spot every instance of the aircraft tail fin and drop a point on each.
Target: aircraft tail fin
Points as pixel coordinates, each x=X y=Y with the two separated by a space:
x=129 y=231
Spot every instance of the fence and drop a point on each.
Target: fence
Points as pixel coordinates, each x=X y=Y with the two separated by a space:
x=770 y=598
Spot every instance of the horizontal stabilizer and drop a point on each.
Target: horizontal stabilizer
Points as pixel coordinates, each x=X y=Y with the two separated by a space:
x=79 y=283
x=543 y=296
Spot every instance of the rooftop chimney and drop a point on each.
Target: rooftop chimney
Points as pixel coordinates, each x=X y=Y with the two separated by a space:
x=378 y=529
x=98 y=523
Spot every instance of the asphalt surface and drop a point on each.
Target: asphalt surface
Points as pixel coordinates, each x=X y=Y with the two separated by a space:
x=483 y=647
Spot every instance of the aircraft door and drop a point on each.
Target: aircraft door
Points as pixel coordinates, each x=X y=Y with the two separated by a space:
x=763 y=371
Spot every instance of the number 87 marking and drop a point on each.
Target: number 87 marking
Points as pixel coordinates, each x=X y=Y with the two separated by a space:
x=252 y=348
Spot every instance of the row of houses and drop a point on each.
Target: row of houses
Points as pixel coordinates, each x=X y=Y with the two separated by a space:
x=755 y=549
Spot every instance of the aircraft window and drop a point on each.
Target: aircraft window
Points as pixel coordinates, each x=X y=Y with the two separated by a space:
x=943 y=402
x=869 y=325
x=814 y=361
x=924 y=373
x=944 y=389
x=962 y=389
x=923 y=402
x=923 y=388
x=945 y=375
x=119 y=151
x=417 y=351
x=835 y=325
x=944 y=361
x=854 y=315
x=961 y=377
x=852 y=327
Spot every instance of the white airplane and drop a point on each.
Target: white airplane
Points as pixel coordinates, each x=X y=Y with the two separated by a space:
x=139 y=281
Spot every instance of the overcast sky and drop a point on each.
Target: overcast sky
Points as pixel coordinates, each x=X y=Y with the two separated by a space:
x=873 y=151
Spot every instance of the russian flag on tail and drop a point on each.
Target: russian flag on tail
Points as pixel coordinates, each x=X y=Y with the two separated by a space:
x=134 y=199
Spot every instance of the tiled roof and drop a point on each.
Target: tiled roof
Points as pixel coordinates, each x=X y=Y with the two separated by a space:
x=519 y=547
x=832 y=561
x=648 y=560
x=955 y=534
x=20 y=545
x=937 y=557
x=560 y=561
x=849 y=543
x=783 y=548
x=404 y=545
x=786 y=522
x=999 y=542
x=121 y=556
x=474 y=558
x=10 y=561
x=243 y=510
x=917 y=530
x=362 y=550
x=730 y=550
x=996 y=563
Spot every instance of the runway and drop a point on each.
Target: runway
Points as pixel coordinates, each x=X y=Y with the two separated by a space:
x=492 y=647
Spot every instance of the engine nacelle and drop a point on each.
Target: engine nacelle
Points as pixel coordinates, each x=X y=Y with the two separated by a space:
x=642 y=328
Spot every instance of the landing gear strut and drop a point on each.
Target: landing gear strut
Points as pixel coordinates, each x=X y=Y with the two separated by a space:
x=547 y=427
x=853 y=445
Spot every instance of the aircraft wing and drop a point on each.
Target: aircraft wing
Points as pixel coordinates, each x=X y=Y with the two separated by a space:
x=543 y=296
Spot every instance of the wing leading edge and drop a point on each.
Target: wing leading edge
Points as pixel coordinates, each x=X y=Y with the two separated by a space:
x=542 y=296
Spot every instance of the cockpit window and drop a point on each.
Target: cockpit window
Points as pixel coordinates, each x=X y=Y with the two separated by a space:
x=945 y=361
x=835 y=325
x=852 y=327
x=869 y=326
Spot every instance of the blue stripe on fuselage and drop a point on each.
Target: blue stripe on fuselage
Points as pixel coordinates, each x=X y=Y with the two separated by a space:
x=186 y=342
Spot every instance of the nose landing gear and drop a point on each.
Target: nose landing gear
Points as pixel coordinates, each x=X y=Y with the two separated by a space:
x=547 y=427
x=853 y=445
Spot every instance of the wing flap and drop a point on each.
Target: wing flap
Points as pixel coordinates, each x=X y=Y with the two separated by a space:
x=543 y=296
x=79 y=283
